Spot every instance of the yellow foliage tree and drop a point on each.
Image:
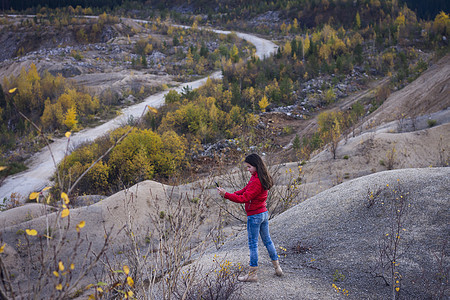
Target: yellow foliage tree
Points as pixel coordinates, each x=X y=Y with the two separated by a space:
x=234 y=53
x=283 y=28
x=194 y=25
x=172 y=155
x=33 y=75
x=263 y=103
x=295 y=25
x=441 y=24
x=189 y=59
x=25 y=92
x=67 y=100
x=400 y=20
x=96 y=179
x=134 y=158
x=358 y=20
x=52 y=117
x=306 y=44
x=330 y=129
x=330 y=96
x=335 y=136
x=70 y=119
x=287 y=49
x=148 y=48
x=249 y=95
x=324 y=52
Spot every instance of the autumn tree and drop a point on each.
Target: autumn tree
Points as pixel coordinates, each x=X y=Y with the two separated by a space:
x=263 y=103
x=249 y=96
x=335 y=136
x=52 y=117
x=134 y=158
x=330 y=96
x=287 y=50
x=441 y=24
x=357 y=21
x=306 y=45
x=172 y=97
x=189 y=59
x=70 y=119
x=143 y=47
x=234 y=54
x=330 y=129
x=172 y=156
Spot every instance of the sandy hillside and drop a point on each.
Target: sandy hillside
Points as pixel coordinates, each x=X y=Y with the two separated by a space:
x=338 y=229
x=334 y=237
x=427 y=94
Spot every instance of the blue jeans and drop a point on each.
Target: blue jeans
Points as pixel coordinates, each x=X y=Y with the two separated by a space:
x=259 y=225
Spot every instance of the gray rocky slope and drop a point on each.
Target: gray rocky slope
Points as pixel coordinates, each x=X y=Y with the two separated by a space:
x=336 y=237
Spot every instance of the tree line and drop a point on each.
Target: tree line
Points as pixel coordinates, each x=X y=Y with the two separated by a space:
x=21 y=5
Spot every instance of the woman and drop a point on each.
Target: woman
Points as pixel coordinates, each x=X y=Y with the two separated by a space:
x=254 y=195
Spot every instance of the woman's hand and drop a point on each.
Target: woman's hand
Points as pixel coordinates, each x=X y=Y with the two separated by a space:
x=221 y=191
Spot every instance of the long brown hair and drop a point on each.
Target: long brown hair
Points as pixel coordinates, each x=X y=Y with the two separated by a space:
x=263 y=175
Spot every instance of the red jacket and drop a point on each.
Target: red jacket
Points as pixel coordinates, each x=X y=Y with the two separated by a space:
x=253 y=195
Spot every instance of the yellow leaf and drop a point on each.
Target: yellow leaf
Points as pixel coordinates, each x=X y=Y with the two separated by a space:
x=2 y=168
x=91 y=297
x=56 y=274
x=2 y=248
x=72 y=266
x=61 y=266
x=100 y=289
x=80 y=225
x=65 y=213
x=31 y=232
x=65 y=197
x=46 y=188
x=126 y=270
x=89 y=286
x=130 y=294
x=34 y=195
x=68 y=133
x=59 y=287
x=12 y=90
x=49 y=237
x=130 y=281
x=397 y=289
x=152 y=109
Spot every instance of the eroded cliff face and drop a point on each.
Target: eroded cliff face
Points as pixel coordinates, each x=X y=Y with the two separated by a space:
x=16 y=41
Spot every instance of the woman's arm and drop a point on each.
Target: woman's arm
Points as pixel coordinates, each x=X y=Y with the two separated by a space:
x=222 y=191
x=252 y=190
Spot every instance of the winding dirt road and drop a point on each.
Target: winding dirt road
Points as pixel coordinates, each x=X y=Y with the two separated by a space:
x=41 y=166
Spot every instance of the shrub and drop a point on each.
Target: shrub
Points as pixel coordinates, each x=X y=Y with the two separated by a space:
x=296 y=143
x=391 y=156
x=431 y=122
x=77 y=55
x=288 y=130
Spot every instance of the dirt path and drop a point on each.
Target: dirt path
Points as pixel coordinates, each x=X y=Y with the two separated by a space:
x=41 y=166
